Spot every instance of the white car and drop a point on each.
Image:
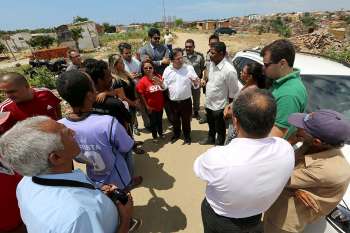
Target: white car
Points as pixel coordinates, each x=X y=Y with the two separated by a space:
x=328 y=86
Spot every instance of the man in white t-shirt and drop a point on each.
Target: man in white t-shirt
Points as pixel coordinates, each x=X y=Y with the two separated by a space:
x=168 y=39
x=245 y=177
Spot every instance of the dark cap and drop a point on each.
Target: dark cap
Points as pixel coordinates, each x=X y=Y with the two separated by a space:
x=329 y=126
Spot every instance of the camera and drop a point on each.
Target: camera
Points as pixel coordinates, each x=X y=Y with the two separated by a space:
x=118 y=195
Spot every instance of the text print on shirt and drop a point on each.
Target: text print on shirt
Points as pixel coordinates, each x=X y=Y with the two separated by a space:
x=90 y=155
x=154 y=88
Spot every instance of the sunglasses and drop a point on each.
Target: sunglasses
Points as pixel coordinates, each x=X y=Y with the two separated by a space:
x=148 y=68
x=156 y=38
x=268 y=64
x=188 y=47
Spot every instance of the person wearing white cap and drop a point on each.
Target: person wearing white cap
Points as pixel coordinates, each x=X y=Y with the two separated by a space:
x=320 y=177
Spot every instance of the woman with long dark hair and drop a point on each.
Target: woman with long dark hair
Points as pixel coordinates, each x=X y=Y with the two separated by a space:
x=150 y=89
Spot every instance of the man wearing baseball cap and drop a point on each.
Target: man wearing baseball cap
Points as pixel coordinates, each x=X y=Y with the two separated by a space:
x=321 y=174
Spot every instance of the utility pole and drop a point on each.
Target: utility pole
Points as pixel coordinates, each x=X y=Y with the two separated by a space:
x=164 y=18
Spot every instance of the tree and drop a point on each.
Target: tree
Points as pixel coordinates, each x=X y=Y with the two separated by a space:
x=178 y=22
x=76 y=35
x=41 y=41
x=109 y=28
x=308 y=20
x=2 y=48
x=78 y=19
x=279 y=26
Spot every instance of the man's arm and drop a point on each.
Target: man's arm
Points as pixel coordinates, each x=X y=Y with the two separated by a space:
x=59 y=111
x=278 y=132
x=232 y=85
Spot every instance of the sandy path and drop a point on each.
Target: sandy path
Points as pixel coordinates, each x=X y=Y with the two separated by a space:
x=170 y=198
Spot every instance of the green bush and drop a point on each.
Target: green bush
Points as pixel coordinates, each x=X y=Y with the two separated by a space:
x=341 y=56
x=41 y=77
x=280 y=27
x=41 y=41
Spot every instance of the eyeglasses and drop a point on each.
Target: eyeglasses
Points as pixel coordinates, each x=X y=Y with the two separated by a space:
x=148 y=68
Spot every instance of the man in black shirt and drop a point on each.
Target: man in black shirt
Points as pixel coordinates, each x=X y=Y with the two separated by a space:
x=100 y=75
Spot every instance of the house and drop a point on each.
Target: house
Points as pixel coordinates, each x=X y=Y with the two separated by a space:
x=17 y=42
x=223 y=23
x=206 y=25
x=254 y=17
x=90 y=39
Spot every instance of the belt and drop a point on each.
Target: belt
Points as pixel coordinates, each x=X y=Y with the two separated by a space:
x=180 y=101
x=251 y=220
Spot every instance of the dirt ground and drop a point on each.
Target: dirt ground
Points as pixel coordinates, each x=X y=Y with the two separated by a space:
x=234 y=43
x=170 y=197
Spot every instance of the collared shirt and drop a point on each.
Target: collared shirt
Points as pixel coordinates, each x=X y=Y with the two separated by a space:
x=246 y=176
x=222 y=84
x=179 y=81
x=156 y=54
x=291 y=97
x=197 y=61
x=104 y=143
x=325 y=177
x=71 y=66
x=134 y=66
x=65 y=209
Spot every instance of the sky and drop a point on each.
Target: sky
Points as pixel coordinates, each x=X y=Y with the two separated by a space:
x=31 y=14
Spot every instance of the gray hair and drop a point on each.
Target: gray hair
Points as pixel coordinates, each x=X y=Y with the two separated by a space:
x=26 y=147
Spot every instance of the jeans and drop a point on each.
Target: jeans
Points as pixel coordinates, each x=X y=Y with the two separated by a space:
x=156 y=121
x=214 y=223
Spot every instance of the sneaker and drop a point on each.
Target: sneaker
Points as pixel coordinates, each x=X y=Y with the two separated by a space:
x=136 y=181
x=135 y=224
x=207 y=141
x=137 y=132
x=202 y=120
x=139 y=150
x=187 y=141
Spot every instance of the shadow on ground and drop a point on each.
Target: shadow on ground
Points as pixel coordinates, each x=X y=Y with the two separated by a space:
x=159 y=216
x=154 y=177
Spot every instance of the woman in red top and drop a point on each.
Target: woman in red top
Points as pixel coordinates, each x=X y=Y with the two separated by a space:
x=151 y=93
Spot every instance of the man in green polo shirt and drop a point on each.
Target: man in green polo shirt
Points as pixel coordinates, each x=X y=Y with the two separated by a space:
x=287 y=87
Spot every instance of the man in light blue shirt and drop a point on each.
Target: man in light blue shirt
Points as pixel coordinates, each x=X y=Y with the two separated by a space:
x=42 y=149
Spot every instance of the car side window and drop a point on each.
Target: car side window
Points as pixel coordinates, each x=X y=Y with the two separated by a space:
x=328 y=92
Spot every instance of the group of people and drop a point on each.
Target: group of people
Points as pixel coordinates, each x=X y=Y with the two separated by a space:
x=291 y=186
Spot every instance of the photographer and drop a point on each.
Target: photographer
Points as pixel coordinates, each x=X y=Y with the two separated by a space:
x=52 y=197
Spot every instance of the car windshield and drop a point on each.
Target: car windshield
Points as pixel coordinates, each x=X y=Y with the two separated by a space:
x=328 y=91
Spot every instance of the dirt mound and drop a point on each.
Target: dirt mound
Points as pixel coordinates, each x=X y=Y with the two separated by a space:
x=316 y=42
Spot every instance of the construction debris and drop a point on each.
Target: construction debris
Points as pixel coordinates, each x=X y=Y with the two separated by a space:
x=315 y=42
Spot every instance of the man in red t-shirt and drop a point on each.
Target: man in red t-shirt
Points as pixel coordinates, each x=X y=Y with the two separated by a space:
x=23 y=102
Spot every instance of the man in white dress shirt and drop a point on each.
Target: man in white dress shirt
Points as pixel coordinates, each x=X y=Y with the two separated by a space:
x=245 y=177
x=221 y=88
x=179 y=79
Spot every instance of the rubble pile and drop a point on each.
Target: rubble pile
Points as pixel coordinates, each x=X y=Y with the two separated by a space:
x=316 y=41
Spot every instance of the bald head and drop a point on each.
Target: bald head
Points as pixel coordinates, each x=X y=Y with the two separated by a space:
x=255 y=111
x=16 y=87
x=15 y=78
